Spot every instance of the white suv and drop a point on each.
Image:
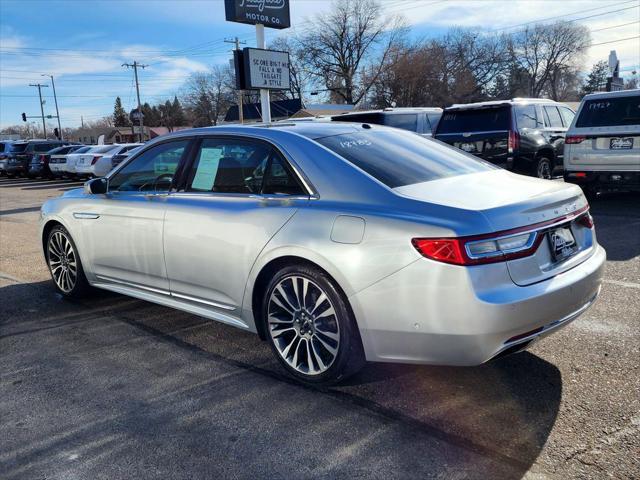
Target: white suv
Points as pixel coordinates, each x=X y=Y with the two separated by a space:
x=602 y=146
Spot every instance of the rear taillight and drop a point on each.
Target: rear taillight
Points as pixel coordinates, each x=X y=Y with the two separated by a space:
x=585 y=220
x=574 y=139
x=493 y=247
x=514 y=141
x=478 y=250
x=95 y=159
x=42 y=158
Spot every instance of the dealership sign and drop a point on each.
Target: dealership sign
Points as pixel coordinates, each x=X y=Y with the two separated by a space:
x=270 y=13
x=262 y=69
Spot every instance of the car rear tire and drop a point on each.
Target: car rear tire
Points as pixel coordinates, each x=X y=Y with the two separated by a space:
x=310 y=326
x=543 y=168
x=65 y=265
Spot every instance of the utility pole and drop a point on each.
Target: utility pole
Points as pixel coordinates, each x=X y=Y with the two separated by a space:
x=135 y=65
x=55 y=99
x=237 y=43
x=44 y=127
x=82 y=121
x=264 y=93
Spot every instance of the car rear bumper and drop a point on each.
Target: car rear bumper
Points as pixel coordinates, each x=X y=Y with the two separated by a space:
x=607 y=181
x=444 y=314
x=84 y=170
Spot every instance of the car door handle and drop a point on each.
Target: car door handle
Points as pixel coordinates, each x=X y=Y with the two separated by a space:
x=85 y=215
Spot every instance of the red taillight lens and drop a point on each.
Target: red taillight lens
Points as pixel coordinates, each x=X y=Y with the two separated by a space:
x=42 y=158
x=514 y=141
x=95 y=159
x=494 y=247
x=585 y=220
x=447 y=250
x=574 y=139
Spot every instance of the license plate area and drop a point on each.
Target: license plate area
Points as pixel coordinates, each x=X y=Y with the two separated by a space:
x=562 y=243
x=621 y=143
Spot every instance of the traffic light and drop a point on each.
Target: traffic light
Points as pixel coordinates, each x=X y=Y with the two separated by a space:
x=24 y=117
x=56 y=132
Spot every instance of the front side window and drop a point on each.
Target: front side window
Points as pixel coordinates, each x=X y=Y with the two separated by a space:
x=240 y=166
x=152 y=171
x=398 y=158
x=406 y=121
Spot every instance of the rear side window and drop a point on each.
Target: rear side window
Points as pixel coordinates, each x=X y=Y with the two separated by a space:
x=103 y=149
x=18 y=147
x=526 y=116
x=399 y=158
x=474 y=120
x=241 y=166
x=552 y=117
x=406 y=121
x=610 y=112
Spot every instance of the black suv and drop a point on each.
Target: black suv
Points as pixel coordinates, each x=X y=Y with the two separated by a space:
x=422 y=120
x=21 y=154
x=524 y=134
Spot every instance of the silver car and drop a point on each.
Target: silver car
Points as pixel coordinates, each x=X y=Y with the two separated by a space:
x=335 y=242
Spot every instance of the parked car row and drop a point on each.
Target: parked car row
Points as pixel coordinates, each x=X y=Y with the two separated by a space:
x=54 y=158
x=599 y=148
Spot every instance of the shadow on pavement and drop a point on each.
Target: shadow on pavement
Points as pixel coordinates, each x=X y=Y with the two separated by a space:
x=112 y=387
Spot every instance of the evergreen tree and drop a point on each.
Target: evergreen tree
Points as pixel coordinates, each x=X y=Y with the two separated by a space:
x=597 y=78
x=120 y=117
x=177 y=113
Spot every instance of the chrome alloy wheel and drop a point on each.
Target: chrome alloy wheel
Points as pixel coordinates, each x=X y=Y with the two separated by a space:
x=62 y=261
x=303 y=325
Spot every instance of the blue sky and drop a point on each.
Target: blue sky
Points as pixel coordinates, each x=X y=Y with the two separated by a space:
x=83 y=43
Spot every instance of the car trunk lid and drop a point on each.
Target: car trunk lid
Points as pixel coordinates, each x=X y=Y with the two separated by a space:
x=509 y=201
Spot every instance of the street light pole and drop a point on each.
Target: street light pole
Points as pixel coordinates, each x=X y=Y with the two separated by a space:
x=44 y=126
x=55 y=99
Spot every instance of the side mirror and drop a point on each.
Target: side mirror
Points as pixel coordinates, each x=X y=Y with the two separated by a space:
x=96 y=186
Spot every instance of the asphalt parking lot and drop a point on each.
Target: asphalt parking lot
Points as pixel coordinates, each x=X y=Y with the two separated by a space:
x=114 y=387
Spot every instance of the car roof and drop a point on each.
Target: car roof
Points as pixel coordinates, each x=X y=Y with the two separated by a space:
x=391 y=110
x=622 y=93
x=308 y=129
x=498 y=103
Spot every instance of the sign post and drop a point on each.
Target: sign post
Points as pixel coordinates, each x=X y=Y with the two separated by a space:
x=264 y=93
x=261 y=13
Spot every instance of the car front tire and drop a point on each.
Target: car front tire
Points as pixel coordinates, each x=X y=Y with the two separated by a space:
x=65 y=265
x=310 y=326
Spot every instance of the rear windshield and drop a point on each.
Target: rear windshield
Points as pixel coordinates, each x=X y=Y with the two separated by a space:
x=406 y=121
x=370 y=117
x=474 y=120
x=610 y=112
x=82 y=150
x=398 y=158
x=17 y=147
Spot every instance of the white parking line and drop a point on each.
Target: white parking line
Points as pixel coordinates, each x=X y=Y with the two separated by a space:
x=621 y=283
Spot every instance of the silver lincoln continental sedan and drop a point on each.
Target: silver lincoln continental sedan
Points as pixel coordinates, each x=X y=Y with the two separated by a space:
x=336 y=243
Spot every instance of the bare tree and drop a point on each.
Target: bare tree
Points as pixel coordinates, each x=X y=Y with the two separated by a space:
x=546 y=52
x=208 y=95
x=300 y=77
x=348 y=48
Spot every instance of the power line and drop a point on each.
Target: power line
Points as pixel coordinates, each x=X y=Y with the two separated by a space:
x=562 y=16
x=614 y=26
x=615 y=41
